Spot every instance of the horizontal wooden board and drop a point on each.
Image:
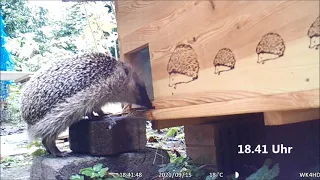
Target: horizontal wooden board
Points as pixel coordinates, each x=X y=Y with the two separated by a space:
x=278 y=102
x=288 y=117
x=229 y=30
x=134 y=14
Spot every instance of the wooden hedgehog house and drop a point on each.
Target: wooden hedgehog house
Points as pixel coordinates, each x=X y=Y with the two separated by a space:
x=216 y=58
x=213 y=60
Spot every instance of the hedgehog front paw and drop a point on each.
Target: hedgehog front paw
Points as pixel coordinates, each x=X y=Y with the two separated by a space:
x=110 y=120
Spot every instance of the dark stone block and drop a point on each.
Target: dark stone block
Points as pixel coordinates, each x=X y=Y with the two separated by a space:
x=145 y=161
x=95 y=138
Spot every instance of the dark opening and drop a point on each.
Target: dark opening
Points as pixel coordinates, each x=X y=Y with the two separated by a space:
x=140 y=61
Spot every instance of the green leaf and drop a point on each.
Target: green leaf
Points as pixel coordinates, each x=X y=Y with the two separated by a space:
x=39 y=152
x=94 y=174
x=163 y=169
x=274 y=172
x=87 y=172
x=172 y=132
x=76 y=177
x=97 y=167
x=265 y=174
x=267 y=162
x=179 y=160
x=102 y=172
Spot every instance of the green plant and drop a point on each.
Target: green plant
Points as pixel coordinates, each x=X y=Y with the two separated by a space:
x=172 y=132
x=13 y=104
x=264 y=173
x=15 y=161
x=7 y=160
x=183 y=166
x=97 y=172
x=40 y=148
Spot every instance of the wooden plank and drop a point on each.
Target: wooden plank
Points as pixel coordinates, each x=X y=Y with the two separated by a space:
x=142 y=13
x=16 y=76
x=144 y=34
x=287 y=117
x=279 y=102
x=183 y=122
x=197 y=121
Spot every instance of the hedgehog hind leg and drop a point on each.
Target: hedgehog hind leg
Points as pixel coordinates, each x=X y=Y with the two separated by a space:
x=49 y=143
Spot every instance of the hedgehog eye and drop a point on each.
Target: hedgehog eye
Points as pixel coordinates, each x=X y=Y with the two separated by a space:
x=126 y=70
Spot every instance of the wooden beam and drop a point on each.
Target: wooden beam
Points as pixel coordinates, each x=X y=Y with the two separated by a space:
x=288 y=117
x=198 y=121
x=16 y=76
x=182 y=122
x=279 y=102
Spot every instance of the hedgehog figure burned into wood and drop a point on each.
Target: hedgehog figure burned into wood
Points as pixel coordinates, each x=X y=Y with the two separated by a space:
x=183 y=65
x=314 y=34
x=224 y=61
x=270 y=47
x=71 y=88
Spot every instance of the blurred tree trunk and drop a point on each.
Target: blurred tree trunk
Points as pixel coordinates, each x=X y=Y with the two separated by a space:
x=3 y=111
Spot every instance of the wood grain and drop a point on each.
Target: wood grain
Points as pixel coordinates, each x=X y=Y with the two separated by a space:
x=239 y=26
x=143 y=35
x=197 y=121
x=200 y=98
x=279 y=102
x=298 y=70
x=134 y=14
x=288 y=117
x=181 y=122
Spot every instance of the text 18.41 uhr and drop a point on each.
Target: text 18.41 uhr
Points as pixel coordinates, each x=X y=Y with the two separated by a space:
x=263 y=149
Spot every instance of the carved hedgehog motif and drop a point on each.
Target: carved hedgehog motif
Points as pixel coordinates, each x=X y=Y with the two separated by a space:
x=183 y=66
x=224 y=61
x=314 y=34
x=270 y=47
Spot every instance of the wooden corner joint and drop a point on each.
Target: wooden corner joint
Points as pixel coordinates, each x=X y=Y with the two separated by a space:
x=274 y=118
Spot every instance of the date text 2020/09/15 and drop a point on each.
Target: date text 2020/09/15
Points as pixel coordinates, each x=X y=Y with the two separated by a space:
x=264 y=149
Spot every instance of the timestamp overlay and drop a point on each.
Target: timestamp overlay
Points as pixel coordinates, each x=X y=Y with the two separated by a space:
x=174 y=175
x=131 y=175
x=265 y=149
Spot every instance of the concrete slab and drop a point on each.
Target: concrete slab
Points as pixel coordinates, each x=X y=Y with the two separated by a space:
x=94 y=137
x=144 y=161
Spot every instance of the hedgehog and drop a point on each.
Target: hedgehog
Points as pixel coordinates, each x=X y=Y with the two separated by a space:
x=270 y=47
x=314 y=34
x=224 y=61
x=73 y=88
x=183 y=66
